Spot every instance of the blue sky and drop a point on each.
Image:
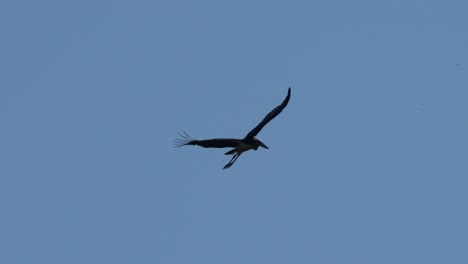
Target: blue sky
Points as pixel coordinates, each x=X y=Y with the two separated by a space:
x=367 y=164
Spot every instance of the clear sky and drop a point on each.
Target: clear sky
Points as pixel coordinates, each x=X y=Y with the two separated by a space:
x=367 y=164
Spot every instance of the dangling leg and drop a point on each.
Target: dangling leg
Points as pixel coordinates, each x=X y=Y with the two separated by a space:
x=231 y=161
x=234 y=158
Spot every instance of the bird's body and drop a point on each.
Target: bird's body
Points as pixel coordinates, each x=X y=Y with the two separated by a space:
x=239 y=145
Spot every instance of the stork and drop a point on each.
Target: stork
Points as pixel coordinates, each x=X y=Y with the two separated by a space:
x=250 y=141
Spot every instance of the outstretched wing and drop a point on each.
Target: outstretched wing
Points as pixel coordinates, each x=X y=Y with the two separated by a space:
x=270 y=116
x=185 y=139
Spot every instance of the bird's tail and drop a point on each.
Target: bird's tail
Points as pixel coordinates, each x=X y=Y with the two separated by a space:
x=182 y=141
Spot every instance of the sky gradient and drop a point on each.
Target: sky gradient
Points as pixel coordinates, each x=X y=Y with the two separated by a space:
x=367 y=164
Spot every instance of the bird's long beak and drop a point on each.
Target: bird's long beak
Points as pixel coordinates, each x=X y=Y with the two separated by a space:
x=263 y=145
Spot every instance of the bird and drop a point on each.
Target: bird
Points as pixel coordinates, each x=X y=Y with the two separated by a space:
x=250 y=141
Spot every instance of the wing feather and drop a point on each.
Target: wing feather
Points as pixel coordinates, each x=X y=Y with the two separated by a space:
x=276 y=111
x=216 y=143
x=207 y=143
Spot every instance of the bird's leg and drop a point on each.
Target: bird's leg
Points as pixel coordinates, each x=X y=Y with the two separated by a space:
x=230 y=162
x=234 y=158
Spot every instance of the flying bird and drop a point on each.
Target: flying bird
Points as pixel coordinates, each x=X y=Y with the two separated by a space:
x=250 y=141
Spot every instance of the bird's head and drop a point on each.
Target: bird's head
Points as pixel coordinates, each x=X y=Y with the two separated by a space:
x=259 y=143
